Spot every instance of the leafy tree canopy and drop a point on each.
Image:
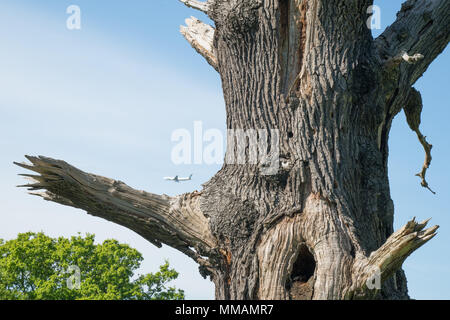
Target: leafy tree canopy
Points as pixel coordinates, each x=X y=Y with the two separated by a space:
x=37 y=267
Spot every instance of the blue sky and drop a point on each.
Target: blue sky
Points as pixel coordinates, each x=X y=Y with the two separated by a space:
x=107 y=98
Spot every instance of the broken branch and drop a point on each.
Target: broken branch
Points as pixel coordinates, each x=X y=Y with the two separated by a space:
x=201 y=38
x=412 y=59
x=198 y=5
x=389 y=257
x=413 y=110
x=422 y=26
x=175 y=221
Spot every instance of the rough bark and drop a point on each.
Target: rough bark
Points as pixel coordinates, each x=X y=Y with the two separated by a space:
x=320 y=226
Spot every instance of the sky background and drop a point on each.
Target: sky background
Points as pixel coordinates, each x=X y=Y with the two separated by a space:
x=107 y=98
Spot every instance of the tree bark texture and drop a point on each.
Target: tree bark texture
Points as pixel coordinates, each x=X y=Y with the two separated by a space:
x=321 y=226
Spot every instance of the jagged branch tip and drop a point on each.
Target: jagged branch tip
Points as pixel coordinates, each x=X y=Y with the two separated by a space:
x=201 y=37
x=198 y=5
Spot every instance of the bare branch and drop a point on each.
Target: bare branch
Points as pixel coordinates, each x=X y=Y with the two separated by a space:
x=422 y=27
x=412 y=59
x=422 y=174
x=413 y=110
x=201 y=37
x=175 y=221
x=389 y=257
x=198 y=5
x=396 y=61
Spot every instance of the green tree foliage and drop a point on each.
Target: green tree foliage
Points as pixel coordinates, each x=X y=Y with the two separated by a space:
x=35 y=267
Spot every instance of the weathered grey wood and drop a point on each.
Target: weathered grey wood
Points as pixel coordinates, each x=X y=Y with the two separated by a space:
x=389 y=257
x=319 y=227
x=201 y=37
x=199 y=5
x=175 y=221
x=422 y=27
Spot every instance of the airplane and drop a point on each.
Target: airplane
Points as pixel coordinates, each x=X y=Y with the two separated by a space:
x=178 y=179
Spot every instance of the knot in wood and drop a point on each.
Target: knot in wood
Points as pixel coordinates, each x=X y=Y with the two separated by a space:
x=235 y=17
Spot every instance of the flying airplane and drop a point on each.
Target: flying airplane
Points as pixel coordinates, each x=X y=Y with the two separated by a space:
x=178 y=179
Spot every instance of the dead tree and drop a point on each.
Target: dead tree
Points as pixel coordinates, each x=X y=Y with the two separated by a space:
x=322 y=226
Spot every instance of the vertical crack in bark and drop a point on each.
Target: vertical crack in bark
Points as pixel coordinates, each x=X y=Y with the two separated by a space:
x=284 y=41
x=293 y=27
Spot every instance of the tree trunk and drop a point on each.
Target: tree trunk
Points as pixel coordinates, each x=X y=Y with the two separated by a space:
x=321 y=227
